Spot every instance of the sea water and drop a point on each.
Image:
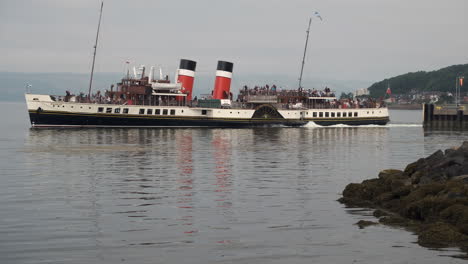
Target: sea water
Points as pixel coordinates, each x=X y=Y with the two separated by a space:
x=201 y=195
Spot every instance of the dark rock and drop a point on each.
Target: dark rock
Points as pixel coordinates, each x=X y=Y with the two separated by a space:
x=416 y=177
x=426 y=209
x=450 y=151
x=457 y=215
x=363 y=223
x=390 y=173
x=432 y=176
x=379 y=213
x=402 y=191
x=394 y=220
x=464 y=147
x=462 y=178
x=435 y=157
x=384 y=198
x=440 y=234
x=415 y=166
x=430 y=197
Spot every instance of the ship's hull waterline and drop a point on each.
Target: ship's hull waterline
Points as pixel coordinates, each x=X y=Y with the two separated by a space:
x=76 y=120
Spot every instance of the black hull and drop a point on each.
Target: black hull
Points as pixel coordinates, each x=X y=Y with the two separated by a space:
x=86 y=120
x=54 y=119
x=356 y=122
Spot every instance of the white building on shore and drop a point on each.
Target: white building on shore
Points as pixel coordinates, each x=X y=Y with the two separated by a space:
x=363 y=91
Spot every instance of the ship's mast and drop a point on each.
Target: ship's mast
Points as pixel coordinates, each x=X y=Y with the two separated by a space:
x=303 y=58
x=94 y=56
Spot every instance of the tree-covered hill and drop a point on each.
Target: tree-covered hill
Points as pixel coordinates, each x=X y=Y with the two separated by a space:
x=442 y=80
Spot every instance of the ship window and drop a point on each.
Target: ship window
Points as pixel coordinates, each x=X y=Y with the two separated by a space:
x=35 y=99
x=109 y=110
x=338 y=114
x=181 y=111
x=344 y=114
x=355 y=113
x=72 y=106
x=367 y=112
x=327 y=114
x=172 y=112
x=314 y=114
x=203 y=112
x=350 y=114
x=333 y=114
x=157 y=112
x=117 y=110
x=142 y=111
x=125 y=110
x=100 y=109
x=164 y=111
x=149 y=111
x=320 y=114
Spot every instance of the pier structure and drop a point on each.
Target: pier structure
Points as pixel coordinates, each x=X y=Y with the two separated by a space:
x=446 y=116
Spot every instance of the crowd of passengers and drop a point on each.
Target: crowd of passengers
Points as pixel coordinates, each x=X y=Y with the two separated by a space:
x=109 y=98
x=267 y=90
x=294 y=102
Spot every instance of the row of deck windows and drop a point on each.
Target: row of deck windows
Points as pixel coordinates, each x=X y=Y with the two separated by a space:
x=157 y=111
x=333 y=114
x=141 y=112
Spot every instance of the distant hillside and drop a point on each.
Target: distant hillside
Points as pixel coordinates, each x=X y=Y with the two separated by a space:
x=441 y=80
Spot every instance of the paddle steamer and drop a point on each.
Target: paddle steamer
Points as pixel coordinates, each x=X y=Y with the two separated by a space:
x=141 y=100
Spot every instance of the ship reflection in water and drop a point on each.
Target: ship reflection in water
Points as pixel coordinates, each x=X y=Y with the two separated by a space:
x=203 y=195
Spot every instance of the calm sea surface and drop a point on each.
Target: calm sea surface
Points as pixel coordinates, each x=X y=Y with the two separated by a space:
x=263 y=195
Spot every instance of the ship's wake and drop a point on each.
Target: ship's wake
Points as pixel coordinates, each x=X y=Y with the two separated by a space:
x=312 y=124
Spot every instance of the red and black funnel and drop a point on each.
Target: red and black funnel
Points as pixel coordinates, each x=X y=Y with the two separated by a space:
x=222 y=86
x=186 y=76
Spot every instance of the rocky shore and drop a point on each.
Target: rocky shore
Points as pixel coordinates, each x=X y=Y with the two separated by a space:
x=429 y=197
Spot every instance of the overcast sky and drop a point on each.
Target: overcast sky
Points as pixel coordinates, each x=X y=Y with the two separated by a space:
x=357 y=39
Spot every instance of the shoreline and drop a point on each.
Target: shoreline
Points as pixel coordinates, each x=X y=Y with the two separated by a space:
x=405 y=106
x=429 y=197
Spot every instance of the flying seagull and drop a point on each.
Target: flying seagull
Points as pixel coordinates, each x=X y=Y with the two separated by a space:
x=318 y=15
